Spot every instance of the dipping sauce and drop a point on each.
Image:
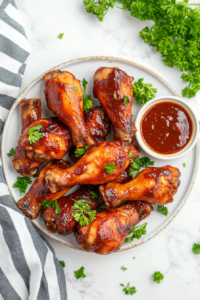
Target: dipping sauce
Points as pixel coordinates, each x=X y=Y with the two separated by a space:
x=166 y=127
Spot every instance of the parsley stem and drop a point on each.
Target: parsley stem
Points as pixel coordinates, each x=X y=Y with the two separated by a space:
x=192 y=4
x=120 y=7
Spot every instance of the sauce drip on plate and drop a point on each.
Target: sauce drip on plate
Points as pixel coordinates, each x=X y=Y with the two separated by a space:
x=166 y=127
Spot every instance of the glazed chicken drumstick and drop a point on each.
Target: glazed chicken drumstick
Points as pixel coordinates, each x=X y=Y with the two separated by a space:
x=64 y=96
x=107 y=233
x=155 y=185
x=54 y=144
x=63 y=222
x=31 y=203
x=30 y=111
x=90 y=169
x=113 y=88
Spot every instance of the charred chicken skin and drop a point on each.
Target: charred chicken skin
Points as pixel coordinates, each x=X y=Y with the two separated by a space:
x=30 y=111
x=107 y=233
x=54 y=144
x=90 y=169
x=155 y=185
x=64 y=223
x=64 y=96
x=113 y=88
x=31 y=203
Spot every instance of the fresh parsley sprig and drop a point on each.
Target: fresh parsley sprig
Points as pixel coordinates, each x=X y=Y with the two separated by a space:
x=143 y=92
x=136 y=232
x=157 y=277
x=48 y=203
x=11 y=153
x=98 y=7
x=164 y=210
x=94 y=196
x=34 y=135
x=196 y=248
x=81 y=151
x=79 y=273
x=62 y=263
x=129 y=290
x=139 y=163
x=81 y=208
x=110 y=168
x=87 y=102
x=22 y=184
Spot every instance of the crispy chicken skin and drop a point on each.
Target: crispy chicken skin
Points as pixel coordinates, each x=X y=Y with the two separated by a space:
x=31 y=203
x=155 y=185
x=97 y=122
x=107 y=233
x=54 y=144
x=64 y=96
x=30 y=111
x=111 y=85
x=90 y=168
x=64 y=223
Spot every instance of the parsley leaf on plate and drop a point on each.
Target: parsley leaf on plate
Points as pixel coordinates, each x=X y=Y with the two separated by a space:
x=162 y=209
x=81 y=151
x=22 y=183
x=62 y=263
x=79 y=273
x=110 y=168
x=196 y=248
x=123 y=268
x=129 y=290
x=83 y=213
x=94 y=196
x=46 y=204
x=60 y=36
x=34 y=135
x=138 y=163
x=136 y=232
x=11 y=153
x=126 y=100
x=55 y=204
x=157 y=277
x=87 y=102
x=143 y=92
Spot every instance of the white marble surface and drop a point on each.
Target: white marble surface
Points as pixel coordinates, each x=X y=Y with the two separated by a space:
x=169 y=252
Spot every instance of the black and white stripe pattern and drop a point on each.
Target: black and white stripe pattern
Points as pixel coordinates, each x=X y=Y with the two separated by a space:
x=28 y=266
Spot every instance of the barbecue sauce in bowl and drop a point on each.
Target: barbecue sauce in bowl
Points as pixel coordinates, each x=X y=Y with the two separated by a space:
x=166 y=127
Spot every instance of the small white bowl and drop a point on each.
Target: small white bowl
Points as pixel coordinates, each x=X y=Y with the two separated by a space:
x=193 y=117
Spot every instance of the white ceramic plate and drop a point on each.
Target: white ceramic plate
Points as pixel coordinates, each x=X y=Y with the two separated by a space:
x=85 y=68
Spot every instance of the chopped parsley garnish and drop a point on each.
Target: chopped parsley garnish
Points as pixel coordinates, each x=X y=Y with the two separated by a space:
x=81 y=151
x=162 y=209
x=196 y=248
x=157 y=277
x=34 y=135
x=79 y=273
x=48 y=203
x=129 y=290
x=139 y=163
x=184 y=164
x=126 y=100
x=123 y=268
x=11 y=153
x=74 y=88
x=143 y=92
x=143 y=216
x=110 y=168
x=87 y=102
x=62 y=263
x=136 y=233
x=60 y=36
x=94 y=196
x=81 y=206
x=22 y=183
x=134 y=257
x=114 y=96
x=172 y=181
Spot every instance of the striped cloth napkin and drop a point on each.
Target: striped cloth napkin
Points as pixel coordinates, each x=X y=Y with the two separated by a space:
x=28 y=266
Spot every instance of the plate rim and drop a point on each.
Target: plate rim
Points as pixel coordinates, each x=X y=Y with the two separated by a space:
x=90 y=58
